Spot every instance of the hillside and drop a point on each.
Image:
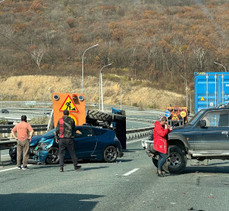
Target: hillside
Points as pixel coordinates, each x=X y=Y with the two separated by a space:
x=163 y=42
x=40 y=88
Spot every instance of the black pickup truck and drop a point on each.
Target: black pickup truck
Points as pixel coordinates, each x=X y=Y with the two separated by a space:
x=206 y=136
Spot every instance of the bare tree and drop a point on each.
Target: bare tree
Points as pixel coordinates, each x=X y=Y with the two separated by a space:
x=37 y=54
x=199 y=54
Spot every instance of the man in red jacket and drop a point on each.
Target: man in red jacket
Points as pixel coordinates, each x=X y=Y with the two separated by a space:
x=161 y=132
x=65 y=131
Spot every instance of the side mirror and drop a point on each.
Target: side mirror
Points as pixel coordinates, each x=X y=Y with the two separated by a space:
x=202 y=123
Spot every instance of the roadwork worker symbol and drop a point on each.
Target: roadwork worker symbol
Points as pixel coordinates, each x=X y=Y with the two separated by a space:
x=69 y=105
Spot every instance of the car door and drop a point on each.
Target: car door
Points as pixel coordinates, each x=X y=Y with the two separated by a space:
x=215 y=134
x=193 y=136
x=224 y=128
x=85 y=142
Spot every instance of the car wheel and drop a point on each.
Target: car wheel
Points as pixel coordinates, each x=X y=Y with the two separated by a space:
x=53 y=156
x=176 y=160
x=110 y=154
x=13 y=154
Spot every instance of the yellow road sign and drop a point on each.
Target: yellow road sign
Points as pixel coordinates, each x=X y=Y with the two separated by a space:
x=69 y=105
x=183 y=114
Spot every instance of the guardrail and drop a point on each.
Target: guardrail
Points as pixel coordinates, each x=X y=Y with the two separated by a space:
x=6 y=141
x=138 y=133
x=5 y=130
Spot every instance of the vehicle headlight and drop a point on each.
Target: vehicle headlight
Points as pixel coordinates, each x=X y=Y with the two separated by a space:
x=44 y=145
x=143 y=144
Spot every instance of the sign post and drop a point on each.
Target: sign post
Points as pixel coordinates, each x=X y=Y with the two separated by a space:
x=167 y=114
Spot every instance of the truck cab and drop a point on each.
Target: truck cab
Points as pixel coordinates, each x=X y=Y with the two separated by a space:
x=178 y=117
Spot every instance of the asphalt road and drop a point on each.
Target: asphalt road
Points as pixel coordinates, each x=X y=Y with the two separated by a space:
x=129 y=184
x=134 y=116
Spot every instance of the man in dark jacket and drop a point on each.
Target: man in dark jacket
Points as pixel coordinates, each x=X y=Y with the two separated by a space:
x=64 y=136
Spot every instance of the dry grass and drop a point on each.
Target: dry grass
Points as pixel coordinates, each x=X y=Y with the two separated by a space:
x=40 y=88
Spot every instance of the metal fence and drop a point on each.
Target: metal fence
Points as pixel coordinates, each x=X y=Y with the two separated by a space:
x=6 y=139
x=5 y=130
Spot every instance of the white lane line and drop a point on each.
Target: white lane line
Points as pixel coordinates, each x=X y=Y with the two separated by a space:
x=130 y=142
x=10 y=169
x=130 y=172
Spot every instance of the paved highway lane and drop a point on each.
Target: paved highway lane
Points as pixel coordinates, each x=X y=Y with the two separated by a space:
x=129 y=184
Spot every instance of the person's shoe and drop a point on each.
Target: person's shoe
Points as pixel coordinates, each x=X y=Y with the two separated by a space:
x=25 y=168
x=160 y=174
x=19 y=167
x=165 y=173
x=77 y=167
x=61 y=169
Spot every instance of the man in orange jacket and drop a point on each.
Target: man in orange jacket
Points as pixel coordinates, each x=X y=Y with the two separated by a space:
x=161 y=131
x=24 y=134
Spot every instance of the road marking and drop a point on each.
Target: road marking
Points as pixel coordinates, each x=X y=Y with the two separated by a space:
x=8 y=169
x=130 y=142
x=13 y=169
x=130 y=172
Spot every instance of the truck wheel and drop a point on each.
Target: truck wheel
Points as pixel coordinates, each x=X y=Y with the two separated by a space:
x=155 y=161
x=176 y=160
x=164 y=167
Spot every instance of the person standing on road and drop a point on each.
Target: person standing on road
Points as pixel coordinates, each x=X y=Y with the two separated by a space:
x=24 y=134
x=64 y=136
x=161 y=131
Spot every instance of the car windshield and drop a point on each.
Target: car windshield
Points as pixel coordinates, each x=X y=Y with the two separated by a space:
x=193 y=120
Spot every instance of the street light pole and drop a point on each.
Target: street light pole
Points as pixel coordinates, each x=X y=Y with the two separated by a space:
x=101 y=86
x=83 y=64
x=225 y=69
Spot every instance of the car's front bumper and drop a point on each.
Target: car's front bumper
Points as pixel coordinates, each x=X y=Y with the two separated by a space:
x=42 y=155
x=148 y=146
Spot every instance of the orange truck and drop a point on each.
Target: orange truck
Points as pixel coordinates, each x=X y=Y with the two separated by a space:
x=178 y=117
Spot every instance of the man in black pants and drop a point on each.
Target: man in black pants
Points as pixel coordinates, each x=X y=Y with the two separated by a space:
x=64 y=136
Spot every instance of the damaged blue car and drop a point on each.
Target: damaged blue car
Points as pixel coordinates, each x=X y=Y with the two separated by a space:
x=91 y=143
x=33 y=158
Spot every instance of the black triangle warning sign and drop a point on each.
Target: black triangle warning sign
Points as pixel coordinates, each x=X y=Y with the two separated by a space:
x=69 y=105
